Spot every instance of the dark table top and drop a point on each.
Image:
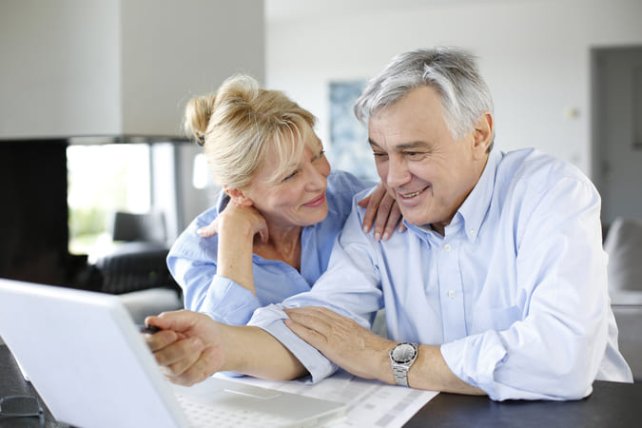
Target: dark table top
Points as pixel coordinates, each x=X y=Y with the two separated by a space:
x=611 y=405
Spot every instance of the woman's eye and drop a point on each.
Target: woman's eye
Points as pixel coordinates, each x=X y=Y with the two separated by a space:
x=290 y=176
x=319 y=156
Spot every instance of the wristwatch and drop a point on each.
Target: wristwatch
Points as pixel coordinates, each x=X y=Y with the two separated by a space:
x=402 y=358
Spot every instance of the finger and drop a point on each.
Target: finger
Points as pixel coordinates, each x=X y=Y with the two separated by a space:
x=394 y=219
x=320 y=312
x=313 y=320
x=207 y=231
x=178 y=321
x=316 y=317
x=156 y=342
x=383 y=216
x=310 y=336
x=178 y=351
x=363 y=203
x=184 y=364
x=373 y=206
x=206 y=365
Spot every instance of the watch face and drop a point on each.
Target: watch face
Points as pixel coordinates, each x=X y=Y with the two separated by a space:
x=403 y=353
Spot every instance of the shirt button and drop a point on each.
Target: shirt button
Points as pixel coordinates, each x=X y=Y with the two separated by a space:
x=451 y=294
x=447 y=248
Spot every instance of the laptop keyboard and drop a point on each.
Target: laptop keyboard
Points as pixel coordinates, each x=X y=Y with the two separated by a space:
x=202 y=415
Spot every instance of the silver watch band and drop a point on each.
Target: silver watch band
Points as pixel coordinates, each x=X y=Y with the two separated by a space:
x=400 y=374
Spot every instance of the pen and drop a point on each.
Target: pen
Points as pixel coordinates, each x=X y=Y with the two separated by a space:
x=148 y=329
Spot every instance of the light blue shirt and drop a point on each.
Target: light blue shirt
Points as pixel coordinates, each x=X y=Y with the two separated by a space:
x=515 y=292
x=192 y=260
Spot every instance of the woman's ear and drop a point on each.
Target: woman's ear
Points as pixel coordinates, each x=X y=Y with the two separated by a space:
x=238 y=197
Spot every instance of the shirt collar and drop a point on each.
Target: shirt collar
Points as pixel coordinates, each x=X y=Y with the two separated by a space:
x=474 y=209
x=472 y=212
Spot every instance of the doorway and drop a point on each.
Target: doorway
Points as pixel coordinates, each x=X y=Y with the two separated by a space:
x=617 y=130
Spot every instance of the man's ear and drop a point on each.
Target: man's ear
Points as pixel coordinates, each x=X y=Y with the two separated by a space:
x=483 y=135
x=238 y=196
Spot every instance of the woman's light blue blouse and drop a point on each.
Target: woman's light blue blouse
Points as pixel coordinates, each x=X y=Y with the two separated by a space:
x=192 y=260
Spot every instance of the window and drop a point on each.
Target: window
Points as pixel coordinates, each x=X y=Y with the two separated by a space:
x=103 y=179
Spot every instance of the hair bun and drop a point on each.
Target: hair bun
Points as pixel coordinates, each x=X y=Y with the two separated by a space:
x=197 y=116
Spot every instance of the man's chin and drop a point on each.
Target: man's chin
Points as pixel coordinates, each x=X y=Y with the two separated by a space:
x=415 y=219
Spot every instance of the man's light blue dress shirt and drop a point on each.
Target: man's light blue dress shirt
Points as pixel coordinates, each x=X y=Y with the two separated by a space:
x=515 y=292
x=192 y=260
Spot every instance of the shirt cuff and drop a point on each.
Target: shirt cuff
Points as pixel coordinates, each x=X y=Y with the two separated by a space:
x=228 y=302
x=474 y=360
x=270 y=319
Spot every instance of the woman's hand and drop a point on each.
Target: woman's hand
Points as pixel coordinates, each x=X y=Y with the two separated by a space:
x=239 y=220
x=382 y=209
x=189 y=346
x=237 y=226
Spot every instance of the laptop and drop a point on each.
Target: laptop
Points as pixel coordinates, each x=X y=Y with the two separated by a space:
x=91 y=366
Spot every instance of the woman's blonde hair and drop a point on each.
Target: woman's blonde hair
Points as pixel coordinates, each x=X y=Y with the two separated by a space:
x=240 y=123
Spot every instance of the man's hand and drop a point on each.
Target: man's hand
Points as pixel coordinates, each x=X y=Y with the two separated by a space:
x=382 y=213
x=189 y=346
x=343 y=341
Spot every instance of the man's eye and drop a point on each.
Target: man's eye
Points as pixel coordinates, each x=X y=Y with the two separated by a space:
x=379 y=154
x=415 y=155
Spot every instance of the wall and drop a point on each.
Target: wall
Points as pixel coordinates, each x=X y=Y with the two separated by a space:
x=59 y=71
x=535 y=55
x=109 y=67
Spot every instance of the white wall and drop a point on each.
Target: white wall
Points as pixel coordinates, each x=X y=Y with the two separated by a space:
x=59 y=67
x=172 y=50
x=535 y=55
x=112 y=67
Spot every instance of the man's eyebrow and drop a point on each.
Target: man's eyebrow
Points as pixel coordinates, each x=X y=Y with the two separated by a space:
x=413 y=145
x=373 y=144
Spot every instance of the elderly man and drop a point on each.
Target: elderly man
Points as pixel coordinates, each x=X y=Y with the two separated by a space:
x=499 y=286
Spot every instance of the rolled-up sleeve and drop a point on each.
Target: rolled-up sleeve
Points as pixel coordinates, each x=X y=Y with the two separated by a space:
x=555 y=349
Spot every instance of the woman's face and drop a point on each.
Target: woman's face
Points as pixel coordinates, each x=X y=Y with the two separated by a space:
x=298 y=198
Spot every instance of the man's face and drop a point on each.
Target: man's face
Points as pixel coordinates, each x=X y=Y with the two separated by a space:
x=428 y=172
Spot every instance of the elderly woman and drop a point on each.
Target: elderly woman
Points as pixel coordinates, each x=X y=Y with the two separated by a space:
x=272 y=230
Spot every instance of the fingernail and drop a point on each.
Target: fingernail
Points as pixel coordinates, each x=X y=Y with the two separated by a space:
x=377 y=236
x=386 y=236
x=365 y=229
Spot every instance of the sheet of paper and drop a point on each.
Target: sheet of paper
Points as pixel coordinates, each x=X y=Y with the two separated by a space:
x=370 y=403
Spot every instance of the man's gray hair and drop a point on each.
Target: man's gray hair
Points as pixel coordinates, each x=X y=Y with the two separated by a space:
x=453 y=73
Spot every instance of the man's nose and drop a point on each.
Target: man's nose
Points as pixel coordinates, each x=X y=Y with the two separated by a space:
x=398 y=173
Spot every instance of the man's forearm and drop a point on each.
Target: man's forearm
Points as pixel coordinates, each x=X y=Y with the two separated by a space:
x=252 y=351
x=430 y=372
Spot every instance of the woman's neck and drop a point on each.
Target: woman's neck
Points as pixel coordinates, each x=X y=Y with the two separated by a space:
x=284 y=243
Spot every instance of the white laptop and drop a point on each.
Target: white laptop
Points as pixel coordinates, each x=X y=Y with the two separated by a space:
x=92 y=368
